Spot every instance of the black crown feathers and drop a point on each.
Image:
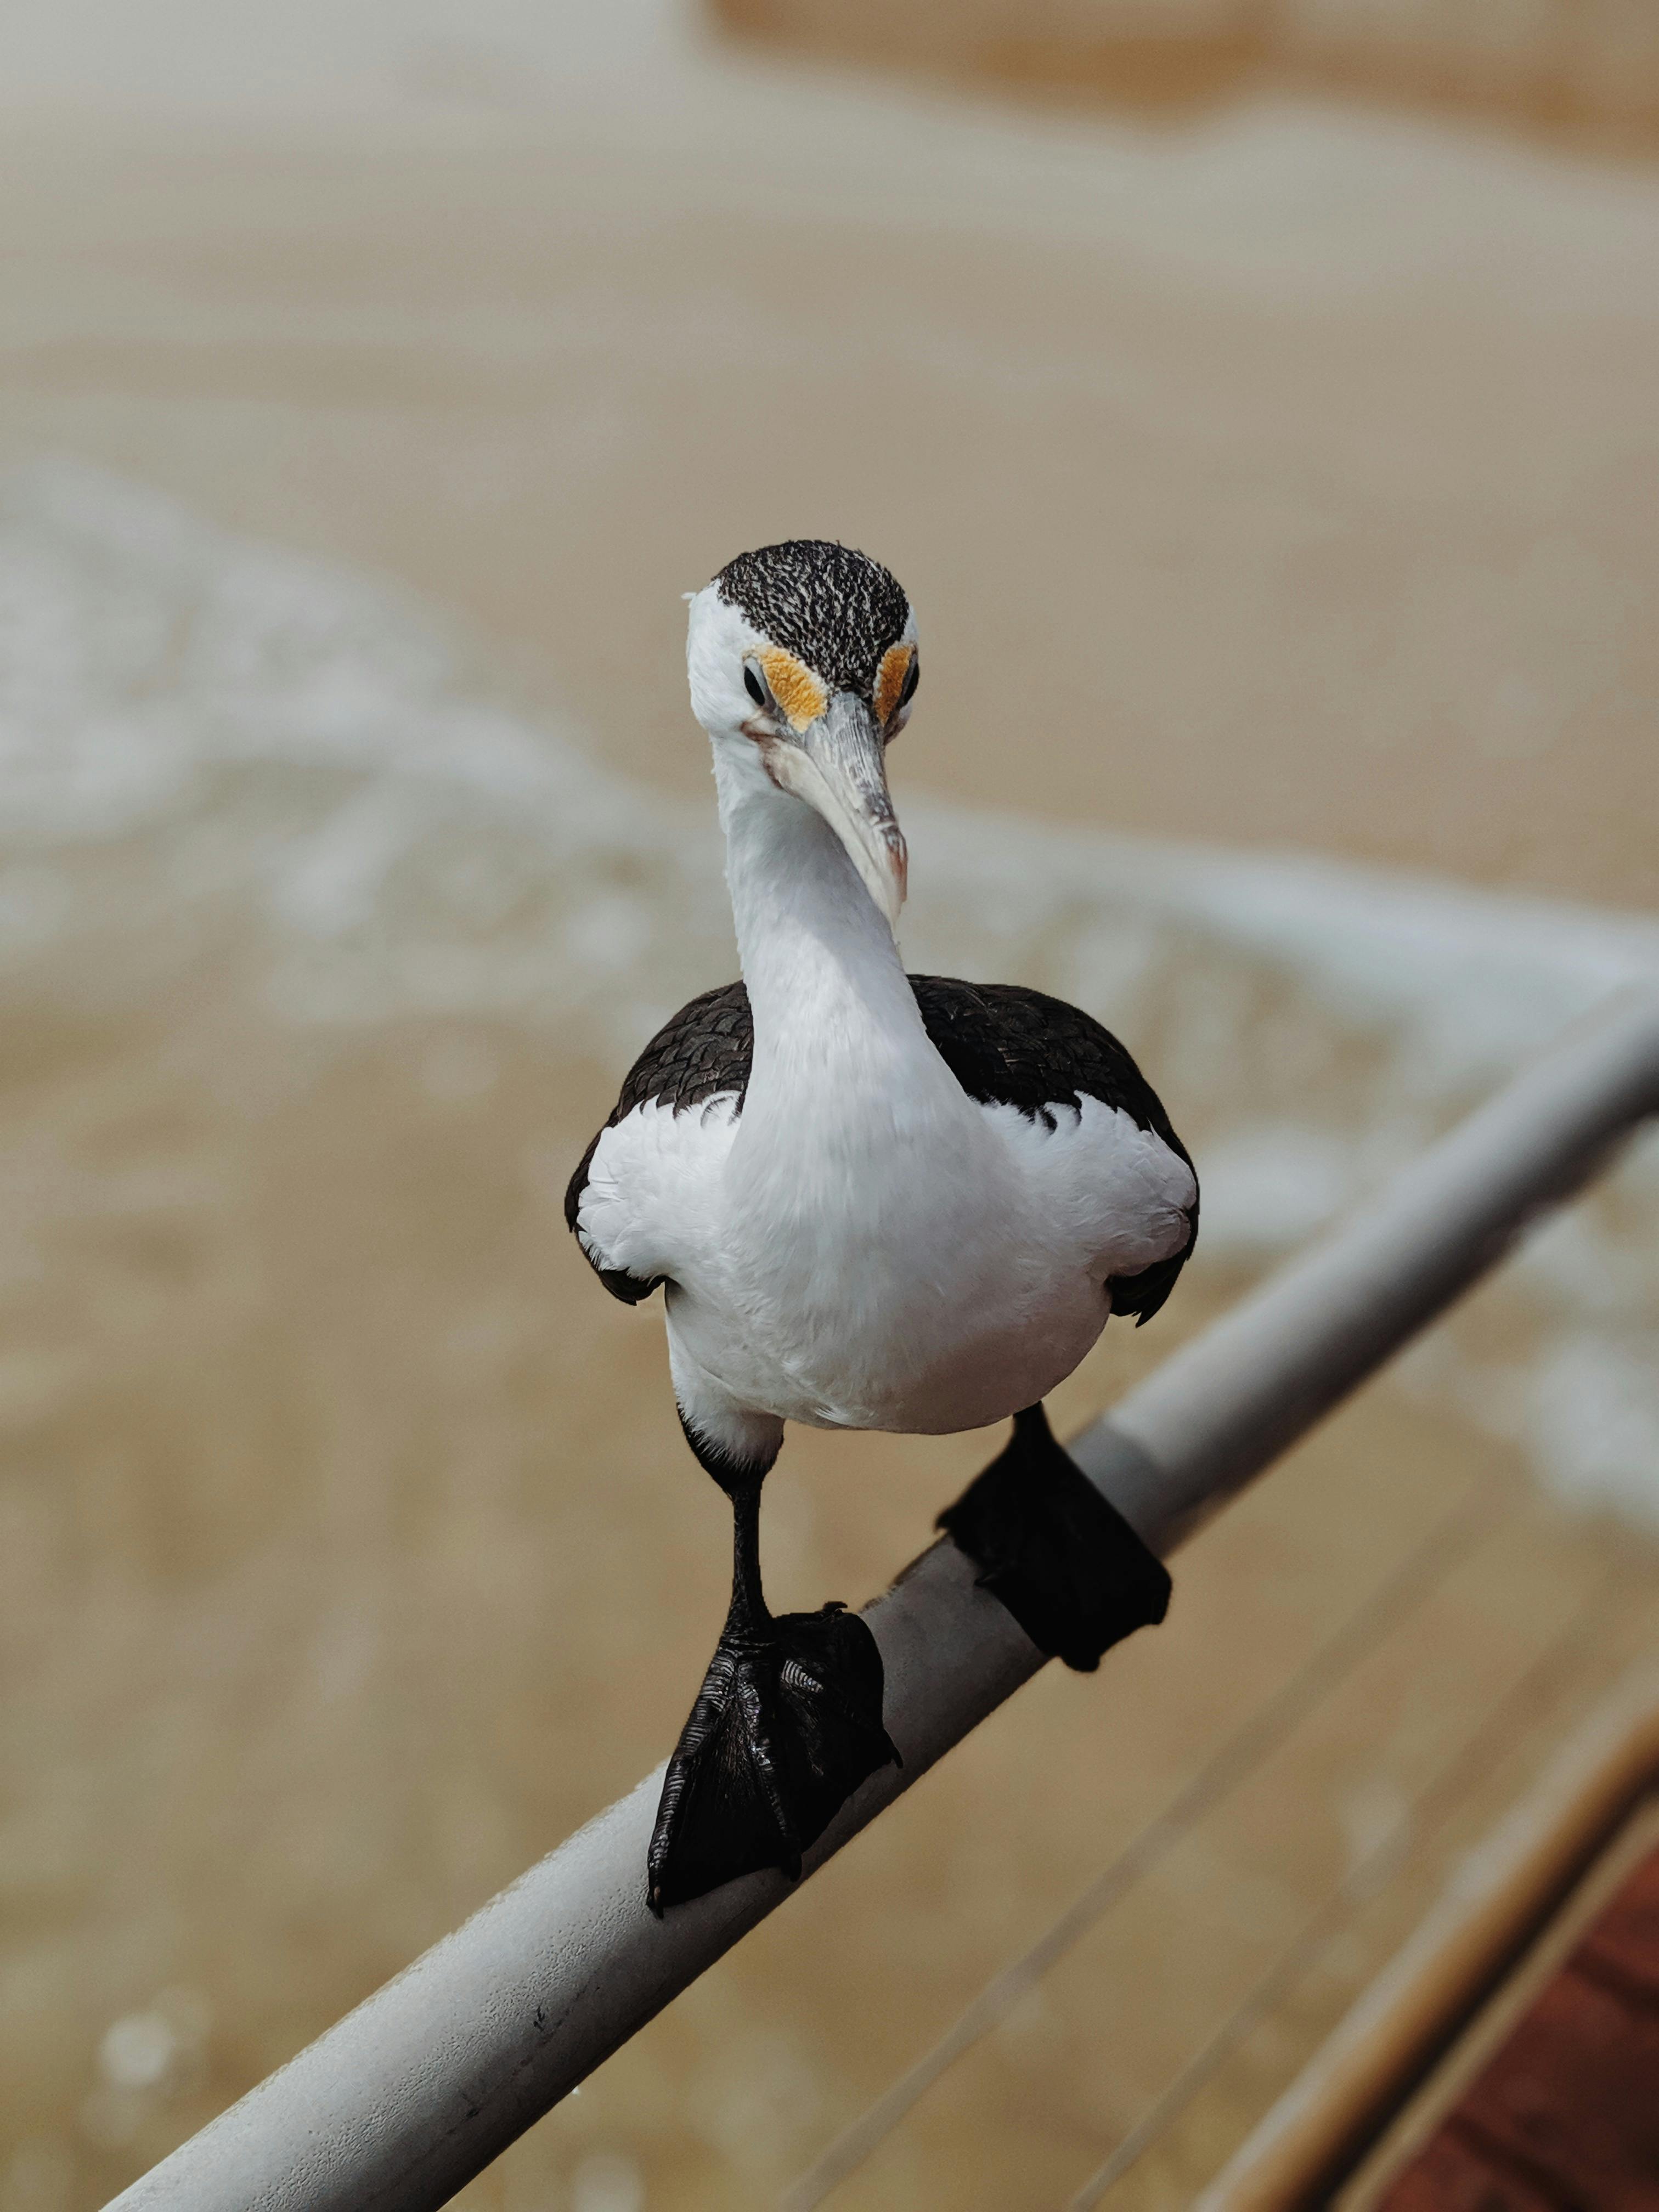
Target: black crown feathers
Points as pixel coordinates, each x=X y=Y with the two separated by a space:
x=834 y=608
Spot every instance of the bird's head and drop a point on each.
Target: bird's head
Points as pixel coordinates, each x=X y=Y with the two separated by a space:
x=803 y=664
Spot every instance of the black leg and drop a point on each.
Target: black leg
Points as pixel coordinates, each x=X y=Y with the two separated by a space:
x=786 y=1727
x=1065 y=1563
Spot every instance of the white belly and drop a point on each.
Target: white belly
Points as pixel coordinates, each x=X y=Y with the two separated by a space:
x=926 y=1276
x=978 y=1367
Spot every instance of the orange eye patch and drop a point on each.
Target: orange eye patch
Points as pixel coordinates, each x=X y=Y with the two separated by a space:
x=889 y=679
x=795 y=687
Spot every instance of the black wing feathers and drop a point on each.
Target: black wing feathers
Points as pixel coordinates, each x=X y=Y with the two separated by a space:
x=1009 y=1046
x=1005 y=1045
x=704 y=1050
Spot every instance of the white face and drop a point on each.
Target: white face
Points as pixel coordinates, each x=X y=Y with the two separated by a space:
x=719 y=639
x=770 y=717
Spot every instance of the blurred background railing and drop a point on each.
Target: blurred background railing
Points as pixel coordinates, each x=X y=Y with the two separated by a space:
x=1585 y=67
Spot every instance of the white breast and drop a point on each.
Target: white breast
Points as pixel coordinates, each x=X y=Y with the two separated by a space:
x=930 y=1266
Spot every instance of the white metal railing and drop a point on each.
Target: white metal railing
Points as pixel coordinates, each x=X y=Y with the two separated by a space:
x=402 y=2102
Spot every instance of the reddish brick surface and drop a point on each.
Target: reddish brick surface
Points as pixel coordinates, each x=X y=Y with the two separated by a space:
x=1564 y=2118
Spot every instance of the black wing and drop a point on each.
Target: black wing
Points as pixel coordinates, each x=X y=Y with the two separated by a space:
x=1008 y=1046
x=1005 y=1045
x=704 y=1050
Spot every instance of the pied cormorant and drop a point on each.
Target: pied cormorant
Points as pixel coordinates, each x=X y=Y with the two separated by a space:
x=872 y=1201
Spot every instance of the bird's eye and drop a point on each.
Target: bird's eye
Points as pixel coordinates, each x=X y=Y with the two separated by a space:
x=912 y=677
x=752 y=684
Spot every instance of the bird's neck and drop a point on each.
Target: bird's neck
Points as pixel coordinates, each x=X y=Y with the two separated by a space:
x=831 y=999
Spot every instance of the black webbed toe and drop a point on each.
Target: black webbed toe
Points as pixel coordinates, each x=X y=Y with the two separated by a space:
x=786 y=1727
x=1063 y=1560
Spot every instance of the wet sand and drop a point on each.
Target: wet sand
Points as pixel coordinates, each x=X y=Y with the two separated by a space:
x=1290 y=484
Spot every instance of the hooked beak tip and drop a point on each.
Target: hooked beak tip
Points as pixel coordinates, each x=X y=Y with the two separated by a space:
x=876 y=845
x=898 y=857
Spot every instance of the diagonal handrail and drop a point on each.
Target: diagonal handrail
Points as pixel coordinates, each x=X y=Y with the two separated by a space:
x=1471 y=1522
x=402 y=2102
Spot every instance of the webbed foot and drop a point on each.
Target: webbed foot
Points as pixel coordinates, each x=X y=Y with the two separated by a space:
x=1064 y=1561
x=786 y=1727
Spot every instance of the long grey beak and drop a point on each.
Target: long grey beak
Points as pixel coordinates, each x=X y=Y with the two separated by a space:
x=838 y=765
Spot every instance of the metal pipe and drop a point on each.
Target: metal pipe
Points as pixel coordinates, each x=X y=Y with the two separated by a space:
x=399 y=2106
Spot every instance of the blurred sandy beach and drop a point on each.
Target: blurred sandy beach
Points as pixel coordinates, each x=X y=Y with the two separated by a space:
x=1286 y=478
x=1277 y=492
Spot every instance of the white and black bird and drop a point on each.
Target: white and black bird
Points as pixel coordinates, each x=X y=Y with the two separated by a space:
x=873 y=1200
